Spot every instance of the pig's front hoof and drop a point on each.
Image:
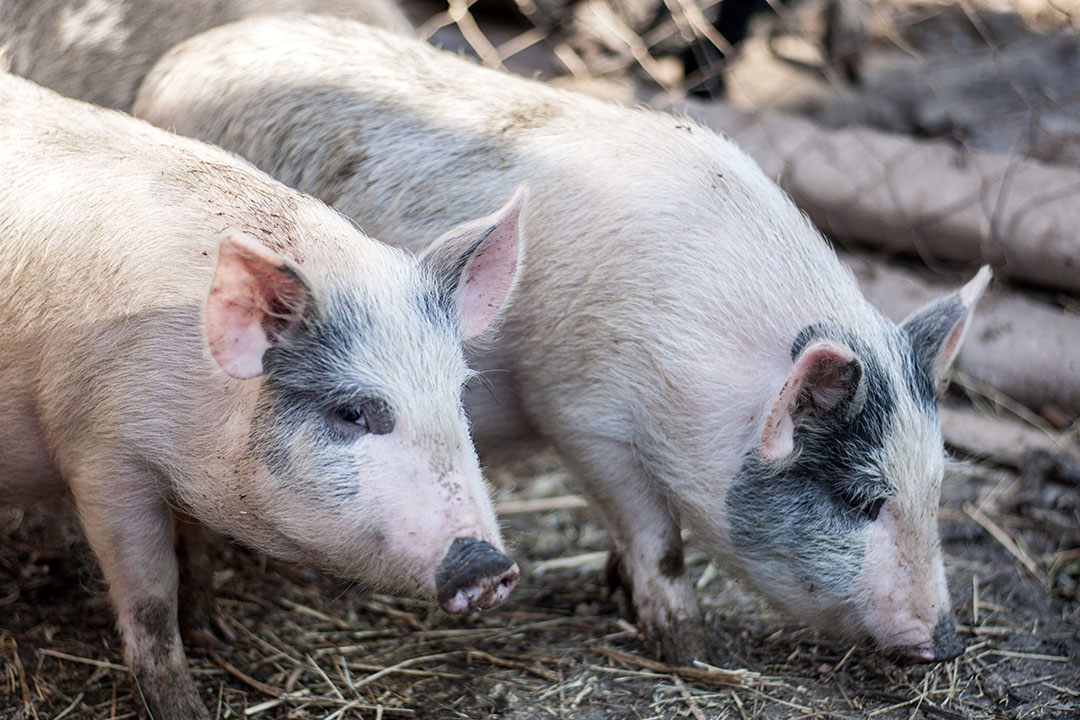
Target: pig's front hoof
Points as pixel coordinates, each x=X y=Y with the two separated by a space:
x=474 y=576
x=678 y=643
x=212 y=635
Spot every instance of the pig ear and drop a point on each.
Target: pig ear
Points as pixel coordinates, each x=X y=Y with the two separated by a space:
x=937 y=330
x=256 y=294
x=476 y=264
x=827 y=379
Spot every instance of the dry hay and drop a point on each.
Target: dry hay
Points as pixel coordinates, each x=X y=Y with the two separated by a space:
x=311 y=647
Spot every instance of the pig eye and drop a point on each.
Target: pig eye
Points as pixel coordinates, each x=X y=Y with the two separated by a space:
x=869 y=509
x=354 y=415
x=370 y=415
x=872 y=508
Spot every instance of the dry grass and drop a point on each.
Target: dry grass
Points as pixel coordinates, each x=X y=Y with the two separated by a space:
x=309 y=647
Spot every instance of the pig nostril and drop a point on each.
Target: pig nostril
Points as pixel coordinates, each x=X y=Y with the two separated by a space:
x=475 y=571
x=947 y=644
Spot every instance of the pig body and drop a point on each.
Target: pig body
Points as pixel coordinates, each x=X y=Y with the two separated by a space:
x=681 y=333
x=99 y=50
x=188 y=344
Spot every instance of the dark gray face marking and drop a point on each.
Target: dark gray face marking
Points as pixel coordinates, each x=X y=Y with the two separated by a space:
x=804 y=513
x=446 y=267
x=928 y=332
x=448 y=264
x=285 y=310
x=437 y=306
x=305 y=386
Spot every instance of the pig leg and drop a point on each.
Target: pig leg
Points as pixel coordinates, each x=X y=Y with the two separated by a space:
x=130 y=530
x=649 y=546
x=200 y=623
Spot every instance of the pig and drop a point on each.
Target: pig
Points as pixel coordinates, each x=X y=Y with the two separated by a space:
x=189 y=345
x=99 y=50
x=682 y=334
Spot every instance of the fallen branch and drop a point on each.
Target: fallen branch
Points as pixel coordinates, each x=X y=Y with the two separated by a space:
x=918 y=197
x=1028 y=350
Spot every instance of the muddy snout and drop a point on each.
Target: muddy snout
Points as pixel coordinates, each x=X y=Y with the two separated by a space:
x=945 y=645
x=474 y=576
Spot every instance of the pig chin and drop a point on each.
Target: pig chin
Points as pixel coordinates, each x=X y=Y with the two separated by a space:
x=904 y=597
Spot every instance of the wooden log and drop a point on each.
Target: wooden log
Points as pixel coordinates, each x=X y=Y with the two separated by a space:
x=1001 y=439
x=918 y=197
x=1029 y=350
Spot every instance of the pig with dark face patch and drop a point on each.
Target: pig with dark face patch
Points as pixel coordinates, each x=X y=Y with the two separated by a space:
x=682 y=333
x=189 y=344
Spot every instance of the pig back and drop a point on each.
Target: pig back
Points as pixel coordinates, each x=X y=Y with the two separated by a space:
x=651 y=241
x=108 y=230
x=99 y=50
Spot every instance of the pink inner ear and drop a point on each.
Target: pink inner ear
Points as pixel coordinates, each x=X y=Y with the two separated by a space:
x=490 y=272
x=969 y=296
x=950 y=347
x=248 y=288
x=814 y=374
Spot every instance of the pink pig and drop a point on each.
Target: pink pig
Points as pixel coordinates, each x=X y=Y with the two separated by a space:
x=189 y=344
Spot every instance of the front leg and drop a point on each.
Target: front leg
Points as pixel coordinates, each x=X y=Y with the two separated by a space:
x=130 y=530
x=648 y=544
x=200 y=623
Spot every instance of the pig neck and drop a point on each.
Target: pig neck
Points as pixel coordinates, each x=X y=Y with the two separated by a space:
x=659 y=312
x=216 y=484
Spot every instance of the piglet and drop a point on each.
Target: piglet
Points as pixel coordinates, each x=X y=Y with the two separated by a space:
x=188 y=344
x=683 y=334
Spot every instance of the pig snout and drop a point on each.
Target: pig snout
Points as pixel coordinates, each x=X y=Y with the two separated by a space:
x=945 y=644
x=474 y=576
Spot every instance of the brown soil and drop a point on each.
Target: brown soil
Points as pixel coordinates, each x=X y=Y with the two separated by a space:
x=309 y=647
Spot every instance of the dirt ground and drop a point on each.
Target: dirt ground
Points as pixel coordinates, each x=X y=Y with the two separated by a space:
x=312 y=647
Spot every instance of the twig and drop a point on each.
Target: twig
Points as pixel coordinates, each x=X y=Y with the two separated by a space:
x=689 y=699
x=986 y=630
x=326 y=677
x=501 y=662
x=85 y=661
x=459 y=13
x=975 y=598
x=67 y=711
x=20 y=671
x=246 y=679
x=706 y=674
x=305 y=610
x=403 y=664
x=539 y=505
x=577 y=561
x=1029 y=656
x=1007 y=542
x=927 y=707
